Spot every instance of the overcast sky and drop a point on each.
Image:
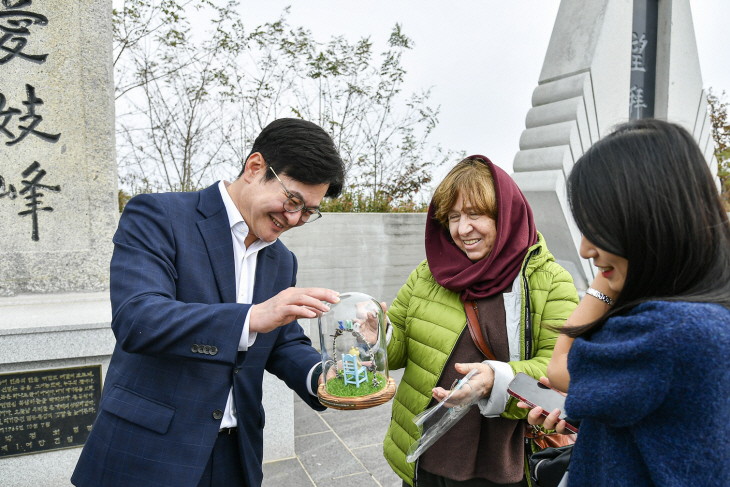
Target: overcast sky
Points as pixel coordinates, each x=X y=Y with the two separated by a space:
x=482 y=59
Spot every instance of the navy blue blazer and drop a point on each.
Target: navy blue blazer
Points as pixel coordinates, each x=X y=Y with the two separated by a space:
x=177 y=326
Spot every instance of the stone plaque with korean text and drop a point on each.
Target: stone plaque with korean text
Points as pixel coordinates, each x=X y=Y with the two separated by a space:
x=47 y=409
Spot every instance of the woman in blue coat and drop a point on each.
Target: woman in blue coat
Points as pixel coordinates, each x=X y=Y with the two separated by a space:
x=650 y=378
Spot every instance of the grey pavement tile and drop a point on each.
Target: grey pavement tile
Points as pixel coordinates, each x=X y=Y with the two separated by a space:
x=372 y=458
x=362 y=427
x=307 y=420
x=360 y=480
x=325 y=457
x=285 y=473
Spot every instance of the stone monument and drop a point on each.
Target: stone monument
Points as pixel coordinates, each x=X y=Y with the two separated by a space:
x=58 y=177
x=58 y=185
x=607 y=61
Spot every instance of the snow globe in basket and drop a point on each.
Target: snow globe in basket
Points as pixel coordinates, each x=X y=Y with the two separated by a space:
x=354 y=356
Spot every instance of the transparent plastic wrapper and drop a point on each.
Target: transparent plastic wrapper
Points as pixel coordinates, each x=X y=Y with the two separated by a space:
x=437 y=420
x=354 y=355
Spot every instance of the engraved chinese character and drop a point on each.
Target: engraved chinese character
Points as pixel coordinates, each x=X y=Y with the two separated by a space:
x=31 y=187
x=69 y=439
x=14 y=31
x=638 y=44
x=32 y=118
x=636 y=101
x=41 y=442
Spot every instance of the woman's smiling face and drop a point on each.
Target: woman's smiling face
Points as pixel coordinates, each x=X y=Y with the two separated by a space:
x=473 y=233
x=613 y=268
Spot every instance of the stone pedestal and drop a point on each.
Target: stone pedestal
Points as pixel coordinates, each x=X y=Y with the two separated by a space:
x=54 y=331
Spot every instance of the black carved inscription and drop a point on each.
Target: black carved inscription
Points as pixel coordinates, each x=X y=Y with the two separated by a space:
x=31 y=188
x=14 y=32
x=28 y=122
x=10 y=192
x=47 y=409
x=17 y=3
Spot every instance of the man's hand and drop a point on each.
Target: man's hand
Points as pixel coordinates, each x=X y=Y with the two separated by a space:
x=479 y=386
x=289 y=305
x=330 y=375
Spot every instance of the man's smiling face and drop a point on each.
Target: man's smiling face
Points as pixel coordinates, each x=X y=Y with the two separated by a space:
x=261 y=202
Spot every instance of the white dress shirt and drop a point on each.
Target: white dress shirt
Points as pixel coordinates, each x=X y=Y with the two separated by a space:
x=245 y=260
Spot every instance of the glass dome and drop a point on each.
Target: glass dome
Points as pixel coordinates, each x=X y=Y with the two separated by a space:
x=354 y=355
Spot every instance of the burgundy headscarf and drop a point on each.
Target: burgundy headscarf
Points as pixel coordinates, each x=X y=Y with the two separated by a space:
x=516 y=233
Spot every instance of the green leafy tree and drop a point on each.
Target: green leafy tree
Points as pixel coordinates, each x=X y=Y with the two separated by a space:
x=190 y=103
x=717 y=108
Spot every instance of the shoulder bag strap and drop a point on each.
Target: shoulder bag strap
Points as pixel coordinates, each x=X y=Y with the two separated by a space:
x=475 y=330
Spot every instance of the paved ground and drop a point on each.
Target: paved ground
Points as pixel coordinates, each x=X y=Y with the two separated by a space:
x=336 y=448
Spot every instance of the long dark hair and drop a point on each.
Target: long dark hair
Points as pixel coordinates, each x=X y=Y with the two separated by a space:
x=645 y=193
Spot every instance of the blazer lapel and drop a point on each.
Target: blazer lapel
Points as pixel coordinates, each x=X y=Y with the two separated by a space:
x=216 y=232
x=267 y=266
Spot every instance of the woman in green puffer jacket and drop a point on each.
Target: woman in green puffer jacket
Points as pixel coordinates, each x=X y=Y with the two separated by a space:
x=482 y=250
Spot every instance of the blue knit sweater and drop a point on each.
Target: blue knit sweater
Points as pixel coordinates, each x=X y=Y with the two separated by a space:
x=653 y=390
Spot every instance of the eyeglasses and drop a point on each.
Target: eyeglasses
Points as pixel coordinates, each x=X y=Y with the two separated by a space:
x=293 y=204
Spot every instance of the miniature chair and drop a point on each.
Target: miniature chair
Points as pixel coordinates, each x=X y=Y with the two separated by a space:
x=353 y=373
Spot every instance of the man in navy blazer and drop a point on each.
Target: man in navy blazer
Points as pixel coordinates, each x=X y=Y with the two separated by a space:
x=203 y=301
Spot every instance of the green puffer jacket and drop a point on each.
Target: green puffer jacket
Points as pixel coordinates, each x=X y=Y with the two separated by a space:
x=428 y=320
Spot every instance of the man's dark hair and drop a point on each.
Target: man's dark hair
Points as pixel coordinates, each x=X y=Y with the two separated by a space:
x=645 y=193
x=303 y=151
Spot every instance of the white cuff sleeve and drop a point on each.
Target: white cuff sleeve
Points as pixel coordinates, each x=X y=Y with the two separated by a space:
x=247 y=338
x=496 y=403
x=309 y=379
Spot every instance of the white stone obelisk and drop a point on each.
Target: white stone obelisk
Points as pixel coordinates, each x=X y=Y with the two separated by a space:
x=585 y=89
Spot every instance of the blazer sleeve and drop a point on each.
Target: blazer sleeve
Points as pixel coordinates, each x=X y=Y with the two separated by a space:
x=293 y=356
x=146 y=316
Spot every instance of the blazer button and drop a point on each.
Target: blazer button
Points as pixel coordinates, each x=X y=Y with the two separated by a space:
x=206 y=349
x=235 y=371
x=217 y=414
x=194 y=348
x=213 y=350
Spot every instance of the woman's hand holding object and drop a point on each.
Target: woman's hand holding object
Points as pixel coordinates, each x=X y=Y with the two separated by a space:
x=478 y=387
x=552 y=421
